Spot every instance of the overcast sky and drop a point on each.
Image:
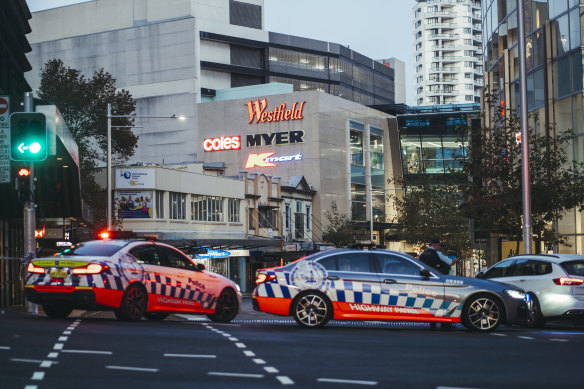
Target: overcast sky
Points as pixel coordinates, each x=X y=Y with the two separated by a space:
x=375 y=28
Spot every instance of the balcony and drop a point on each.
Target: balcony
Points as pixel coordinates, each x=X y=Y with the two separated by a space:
x=440 y=25
x=444 y=36
x=445 y=69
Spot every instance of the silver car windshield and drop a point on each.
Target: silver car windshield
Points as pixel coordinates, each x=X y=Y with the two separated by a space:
x=95 y=248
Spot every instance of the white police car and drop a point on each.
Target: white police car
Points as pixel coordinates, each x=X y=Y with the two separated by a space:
x=134 y=278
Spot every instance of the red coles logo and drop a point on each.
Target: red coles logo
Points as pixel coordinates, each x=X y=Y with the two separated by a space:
x=223 y=143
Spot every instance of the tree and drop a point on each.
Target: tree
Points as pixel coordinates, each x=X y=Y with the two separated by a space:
x=339 y=230
x=494 y=193
x=430 y=208
x=83 y=104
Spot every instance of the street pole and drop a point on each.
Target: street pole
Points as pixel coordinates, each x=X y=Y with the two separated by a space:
x=29 y=216
x=525 y=181
x=109 y=167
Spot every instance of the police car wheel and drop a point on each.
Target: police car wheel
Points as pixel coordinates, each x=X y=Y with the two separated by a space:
x=482 y=313
x=312 y=310
x=227 y=307
x=57 y=311
x=134 y=304
x=155 y=316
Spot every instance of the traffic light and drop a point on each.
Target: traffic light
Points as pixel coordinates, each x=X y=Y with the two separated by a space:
x=28 y=136
x=22 y=184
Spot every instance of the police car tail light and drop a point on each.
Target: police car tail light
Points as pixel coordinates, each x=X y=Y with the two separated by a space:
x=32 y=268
x=261 y=278
x=568 y=281
x=92 y=268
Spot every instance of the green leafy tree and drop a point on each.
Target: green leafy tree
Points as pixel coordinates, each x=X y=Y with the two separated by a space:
x=494 y=193
x=83 y=103
x=429 y=208
x=339 y=230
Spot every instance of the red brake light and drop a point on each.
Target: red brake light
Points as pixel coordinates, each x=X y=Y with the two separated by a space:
x=568 y=281
x=32 y=268
x=92 y=268
x=261 y=278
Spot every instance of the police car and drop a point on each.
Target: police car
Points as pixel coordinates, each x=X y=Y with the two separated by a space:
x=349 y=284
x=134 y=278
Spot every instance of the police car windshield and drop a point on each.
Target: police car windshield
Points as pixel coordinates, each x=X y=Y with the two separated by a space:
x=95 y=248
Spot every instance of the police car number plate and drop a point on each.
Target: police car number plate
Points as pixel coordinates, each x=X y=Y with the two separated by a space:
x=58 y=273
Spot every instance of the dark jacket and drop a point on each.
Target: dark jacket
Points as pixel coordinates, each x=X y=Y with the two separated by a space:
x=430 y=257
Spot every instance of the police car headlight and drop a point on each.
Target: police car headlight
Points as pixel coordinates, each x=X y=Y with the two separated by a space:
x=516 y=294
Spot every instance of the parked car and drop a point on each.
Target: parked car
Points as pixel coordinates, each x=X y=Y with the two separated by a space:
x=554 y=282
x=350 y=284
x=134 y=278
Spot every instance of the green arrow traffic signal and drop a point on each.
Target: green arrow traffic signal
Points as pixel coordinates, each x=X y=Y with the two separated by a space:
x=28 y=136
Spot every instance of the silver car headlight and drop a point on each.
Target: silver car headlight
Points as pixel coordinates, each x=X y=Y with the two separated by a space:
x=514 y=293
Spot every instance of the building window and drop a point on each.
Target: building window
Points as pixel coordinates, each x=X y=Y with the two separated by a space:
x=287 y=215
x=251 y=219
x=207 y=208
x=177 y=205
x=298 y=221
x=160 y=204
x=268 y=218
x=308 y=218
x=356 y=147
x=233 y=205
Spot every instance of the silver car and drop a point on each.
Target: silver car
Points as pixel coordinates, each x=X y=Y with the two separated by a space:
x=383 y=285
x=554 y=282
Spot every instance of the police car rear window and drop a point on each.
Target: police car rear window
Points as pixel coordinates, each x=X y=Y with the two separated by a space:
x=98 y=248
x=575 y=268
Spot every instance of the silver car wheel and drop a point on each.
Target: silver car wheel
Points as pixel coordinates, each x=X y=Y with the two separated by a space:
x=482 y=314
x=311 y=310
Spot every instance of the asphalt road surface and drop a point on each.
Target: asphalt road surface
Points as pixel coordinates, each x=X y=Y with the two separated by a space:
x=256 y=350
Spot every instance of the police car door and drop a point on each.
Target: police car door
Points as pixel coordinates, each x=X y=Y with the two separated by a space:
x=407 y=294
x=353 y=284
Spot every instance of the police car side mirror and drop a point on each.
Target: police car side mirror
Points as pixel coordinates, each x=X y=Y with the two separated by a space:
x=425 y=273
x=480 y=275
x=199 y=267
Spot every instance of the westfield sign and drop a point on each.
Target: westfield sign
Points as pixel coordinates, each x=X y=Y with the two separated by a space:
x=257 y=110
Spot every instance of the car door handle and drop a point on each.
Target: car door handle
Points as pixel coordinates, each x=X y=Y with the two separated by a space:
x=333 y=278
x=389 y=281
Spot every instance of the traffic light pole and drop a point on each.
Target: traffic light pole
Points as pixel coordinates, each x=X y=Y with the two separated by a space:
x=29 y=206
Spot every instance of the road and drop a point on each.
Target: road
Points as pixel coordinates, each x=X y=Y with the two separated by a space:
x=94 y=350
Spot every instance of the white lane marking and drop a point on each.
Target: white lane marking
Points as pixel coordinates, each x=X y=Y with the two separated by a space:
x=53 y=355
x=87 y=352
x=559 y=340
x=67 y=332
x=48 y=363
x=259 y=361
x=340 y=381
x=241 y=345
x=217 y=373
x=58 y=346
x=249 y=353
x=451 y=387
x=271 y=369
x=70 y=328
x=31 y=387
x=526 y=337
x=63 y=338
x=233 y=339
x=4 y=347
x=38 y=375
x=226 y=335
x=145 y=369
x=497 y=334
x=285 y=380
x=25 y=360
x=190 y=356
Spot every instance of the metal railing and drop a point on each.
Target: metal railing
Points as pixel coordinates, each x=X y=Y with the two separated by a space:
x=12 y=272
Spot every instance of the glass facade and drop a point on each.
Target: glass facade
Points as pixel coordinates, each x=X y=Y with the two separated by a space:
x=554 y=74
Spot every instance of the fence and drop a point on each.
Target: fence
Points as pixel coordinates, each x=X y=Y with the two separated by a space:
x=12 y=282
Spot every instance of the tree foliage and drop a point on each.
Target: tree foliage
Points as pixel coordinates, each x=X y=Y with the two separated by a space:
x=83 y=103
x=494 y=194
x=429 y=208
x=339 y=230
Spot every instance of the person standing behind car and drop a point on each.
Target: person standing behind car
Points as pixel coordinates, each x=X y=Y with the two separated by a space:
x=434 y=258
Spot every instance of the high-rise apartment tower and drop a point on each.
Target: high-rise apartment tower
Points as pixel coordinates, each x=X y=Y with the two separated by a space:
x=447 y=52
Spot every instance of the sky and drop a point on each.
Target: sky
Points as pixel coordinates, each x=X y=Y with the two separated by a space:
x=375 y=28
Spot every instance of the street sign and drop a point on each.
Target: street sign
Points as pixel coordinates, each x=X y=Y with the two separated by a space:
x=4 y=139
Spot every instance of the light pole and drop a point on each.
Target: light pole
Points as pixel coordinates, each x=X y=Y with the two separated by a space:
x=109 y=152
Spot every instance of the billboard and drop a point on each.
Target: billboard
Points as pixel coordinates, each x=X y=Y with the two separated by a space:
x=133 y=204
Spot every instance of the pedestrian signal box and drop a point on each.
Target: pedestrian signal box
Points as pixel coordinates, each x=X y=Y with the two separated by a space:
x=28 y=136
